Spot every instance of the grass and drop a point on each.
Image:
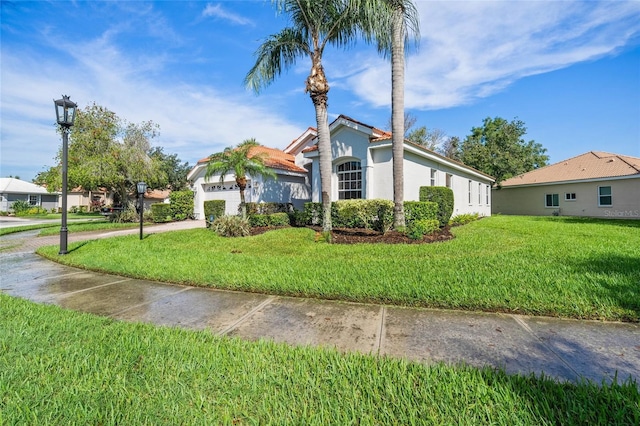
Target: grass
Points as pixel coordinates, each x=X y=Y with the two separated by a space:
x=62 y=367
x=564 y=267
x=54 y=228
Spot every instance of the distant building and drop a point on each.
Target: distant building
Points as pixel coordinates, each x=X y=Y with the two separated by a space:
x=594 y=184
x=12 y=190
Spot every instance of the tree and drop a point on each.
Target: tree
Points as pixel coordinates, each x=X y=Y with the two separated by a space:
x=451 y=148
x=314 y=24
x=106 y=151
x=175 y=171
x=429 y=139
x=243 y=161
x=497 y=149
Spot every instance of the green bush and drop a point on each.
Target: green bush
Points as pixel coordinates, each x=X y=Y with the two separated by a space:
x=215 y=208
x=419 y=228
x=181 y=204
x=463 y=219
x=231 y=226
x=420 y=210
x=128 y=215
x=298 y=218
x=20 y=206
x=279 y=219
x=161 y=212
x=267 y=208
x=313 y=213
x=256 y=220
x=441 y=195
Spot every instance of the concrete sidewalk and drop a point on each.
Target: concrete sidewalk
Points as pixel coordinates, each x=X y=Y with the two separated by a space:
x=564 y=349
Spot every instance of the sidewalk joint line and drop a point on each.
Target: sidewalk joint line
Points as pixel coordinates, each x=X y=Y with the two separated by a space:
x=381 y=330
x=246 y=316
x=94 y=287
x=149 y=302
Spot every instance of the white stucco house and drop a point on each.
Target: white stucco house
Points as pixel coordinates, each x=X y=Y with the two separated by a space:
x=362 y=168
x=593 y=184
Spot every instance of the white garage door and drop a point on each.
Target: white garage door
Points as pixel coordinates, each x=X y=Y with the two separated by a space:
x=228 y=192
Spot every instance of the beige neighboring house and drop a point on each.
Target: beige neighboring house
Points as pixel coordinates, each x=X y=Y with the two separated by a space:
x=89 y=200
x=594 y=184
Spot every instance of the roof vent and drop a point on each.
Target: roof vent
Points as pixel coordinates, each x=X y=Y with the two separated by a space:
x=611 y=161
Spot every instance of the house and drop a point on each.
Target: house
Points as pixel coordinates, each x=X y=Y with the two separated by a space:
x=87 y=200
x=362 y=168
x=12 y=190
x=290 y=186
x=594 y=184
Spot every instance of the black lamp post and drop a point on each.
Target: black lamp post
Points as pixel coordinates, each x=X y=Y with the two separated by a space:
x=65 y=116
x=142 y=188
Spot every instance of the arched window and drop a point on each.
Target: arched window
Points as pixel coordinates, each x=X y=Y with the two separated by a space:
x=349 y=180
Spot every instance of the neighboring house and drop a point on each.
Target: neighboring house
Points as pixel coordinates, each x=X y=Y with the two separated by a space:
x=154 y=196
x=12 y=190
x=362 y=168
x=291 y=185
x=90 y=200
x=594 y=184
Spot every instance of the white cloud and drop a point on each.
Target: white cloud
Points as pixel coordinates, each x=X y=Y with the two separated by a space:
x=471 y=50
x=217 y=11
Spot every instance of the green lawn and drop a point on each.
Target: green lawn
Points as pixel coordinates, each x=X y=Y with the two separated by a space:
x=62 y=367
x=558 y=266
x=78 y=226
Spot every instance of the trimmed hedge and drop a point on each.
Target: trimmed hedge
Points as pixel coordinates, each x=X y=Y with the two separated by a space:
x=441 y=195
x=370 y=214
x=419 y=228
x=275 y=219
x=267 y=208
x=181 y=204
x=215 y=208
x=420 y=210
x=161 y=212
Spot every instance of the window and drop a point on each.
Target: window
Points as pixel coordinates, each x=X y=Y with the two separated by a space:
x=470 y=188
x=570 y=196
x=448 y=177
x=479 y=193
x=33 y=200
x=349 y=180
x=488 y=191
x=434 y=174
x=604 y=196
x=552 y=200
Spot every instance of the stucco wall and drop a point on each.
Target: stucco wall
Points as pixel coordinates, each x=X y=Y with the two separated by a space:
x=531 y=200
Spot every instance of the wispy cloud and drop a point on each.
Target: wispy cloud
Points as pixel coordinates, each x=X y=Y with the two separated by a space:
x=217 y=11
x=471 y=50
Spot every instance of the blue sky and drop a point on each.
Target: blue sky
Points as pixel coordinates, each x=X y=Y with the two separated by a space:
x=569 y=70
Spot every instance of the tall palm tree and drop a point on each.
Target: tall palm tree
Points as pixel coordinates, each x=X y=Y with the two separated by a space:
x=242 y=162
x=314 y=24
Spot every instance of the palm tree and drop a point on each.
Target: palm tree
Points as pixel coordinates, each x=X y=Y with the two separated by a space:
x=242 y=161
x=314 y=24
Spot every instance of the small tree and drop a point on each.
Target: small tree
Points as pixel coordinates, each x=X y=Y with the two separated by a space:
x=243 y=161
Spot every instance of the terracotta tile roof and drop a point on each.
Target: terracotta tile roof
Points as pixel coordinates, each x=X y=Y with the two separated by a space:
x=274 y=158
x=591 y=165
x=157 y=194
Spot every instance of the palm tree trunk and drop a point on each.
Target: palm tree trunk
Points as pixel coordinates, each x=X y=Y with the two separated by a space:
x=242 y=184
x=318 y=88
x=397 y=115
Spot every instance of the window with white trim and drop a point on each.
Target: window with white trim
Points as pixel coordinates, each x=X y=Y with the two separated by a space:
x=33 y=200
x=479 y=193
x=349 y=180
x=605 y=196
x=470 y=189
x=488 y=191
x=434 y=174
x=570 y=196
x=552 y=200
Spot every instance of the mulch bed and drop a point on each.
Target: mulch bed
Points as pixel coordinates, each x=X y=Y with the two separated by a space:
x=358 y=235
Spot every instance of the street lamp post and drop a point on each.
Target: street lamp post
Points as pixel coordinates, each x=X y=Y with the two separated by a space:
x=142 y=188
x=65 y=116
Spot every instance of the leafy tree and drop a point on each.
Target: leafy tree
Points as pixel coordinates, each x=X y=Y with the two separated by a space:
x=429 y=139
x=242 y=161
x=106 y=151
x=175 y=171
x=497 y=148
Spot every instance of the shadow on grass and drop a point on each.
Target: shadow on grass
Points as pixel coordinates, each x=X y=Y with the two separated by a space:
x=627 y=223
x=625 y=289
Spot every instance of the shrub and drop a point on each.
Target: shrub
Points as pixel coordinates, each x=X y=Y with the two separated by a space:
x=267 y=208
x=215 y=208
x=441 y=195
x=420 y=210
x=298 y=218
x=419 y=228
x=370 y=214
x=128 y=215
x=279 y=219
x=20 y=206
x=181 y=204
x=256 y=220
x=161 y=212
x=313 y=213
x=231 y=226
x=463 y=219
